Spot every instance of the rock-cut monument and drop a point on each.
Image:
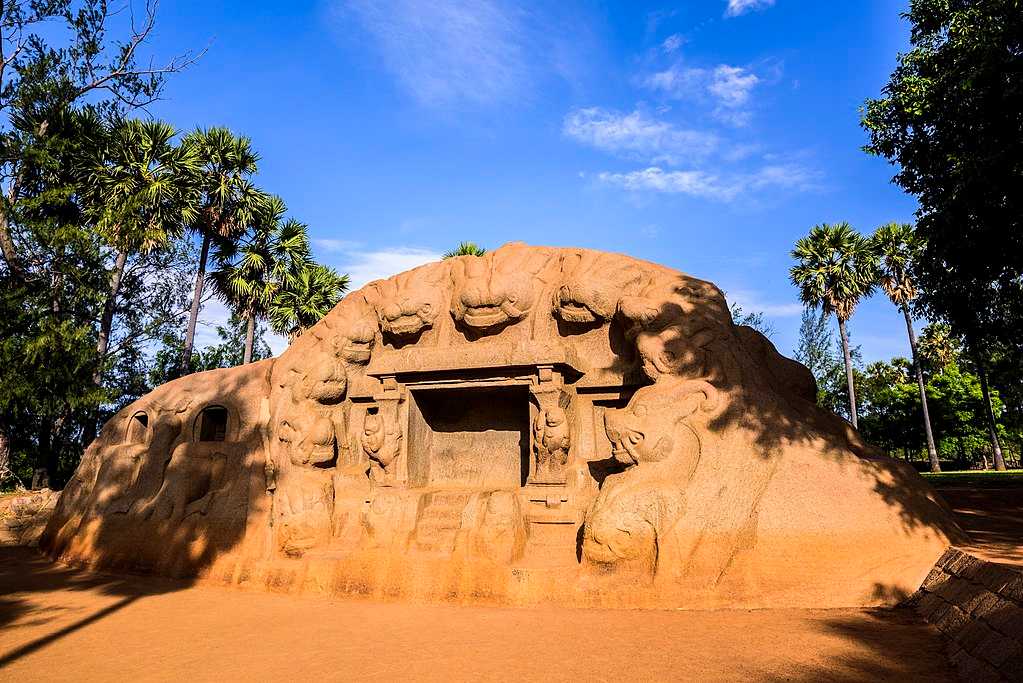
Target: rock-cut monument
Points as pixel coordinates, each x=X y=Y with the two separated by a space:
x=533 y=425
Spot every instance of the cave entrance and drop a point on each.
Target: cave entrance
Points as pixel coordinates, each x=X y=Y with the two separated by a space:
x=469 y=437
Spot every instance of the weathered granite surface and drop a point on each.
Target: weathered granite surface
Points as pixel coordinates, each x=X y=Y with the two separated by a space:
x=534 y=425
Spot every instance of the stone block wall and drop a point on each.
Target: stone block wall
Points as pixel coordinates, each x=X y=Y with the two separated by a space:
x=978 y=607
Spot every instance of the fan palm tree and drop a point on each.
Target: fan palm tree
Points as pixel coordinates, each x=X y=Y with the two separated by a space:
x=466 y=249
x=835 y=268
x=226 y=203
x=304 y=298
x=253 y=270
x=897 y=248
x=139 y=186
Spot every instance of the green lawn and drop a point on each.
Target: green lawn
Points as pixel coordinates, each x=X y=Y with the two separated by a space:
x=976 y=479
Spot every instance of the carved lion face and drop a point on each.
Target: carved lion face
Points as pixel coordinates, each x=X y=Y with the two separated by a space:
x=592 y=288
x=355 y=341
x=491 y=299
x=650 y=428
x=641 y=432
x=408 y=304
x=499 y=288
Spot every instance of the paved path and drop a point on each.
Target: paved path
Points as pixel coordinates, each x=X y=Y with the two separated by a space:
x=58 y=624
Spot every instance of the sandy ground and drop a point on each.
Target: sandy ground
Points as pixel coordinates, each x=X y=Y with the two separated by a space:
x=58 y=624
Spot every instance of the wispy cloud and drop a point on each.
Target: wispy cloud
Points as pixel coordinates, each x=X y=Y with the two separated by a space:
x=738 y=7
x=449 y=51
x=710 y=185
x=673 y=43
x=729 y=88
x=752 y=301
x=637 y=135
x=365 y=266
x=334 y=246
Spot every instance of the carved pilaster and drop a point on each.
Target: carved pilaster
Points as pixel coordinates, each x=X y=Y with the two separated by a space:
x=550 y=437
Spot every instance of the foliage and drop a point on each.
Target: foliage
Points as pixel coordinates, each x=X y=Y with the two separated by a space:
x=754 y=319
x=818 y=351
x=95 y=213
x=835 y=268
x=465 y=249
x=305 y=298
x=949 y=117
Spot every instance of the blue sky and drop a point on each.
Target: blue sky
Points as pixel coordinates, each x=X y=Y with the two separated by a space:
x=707 y=135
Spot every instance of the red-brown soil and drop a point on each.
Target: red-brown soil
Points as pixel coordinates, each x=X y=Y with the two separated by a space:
x=61 y=624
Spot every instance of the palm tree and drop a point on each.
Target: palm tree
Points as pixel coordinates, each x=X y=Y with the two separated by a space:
x=304 y=298
x=139 y=186
x=253 y=270
x=897 y=248
x=835 y=268
x=226 y=203
x=466 y=249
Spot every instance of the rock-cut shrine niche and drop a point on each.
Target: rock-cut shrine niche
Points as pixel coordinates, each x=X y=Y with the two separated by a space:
x=211 y=424
x=138 y=428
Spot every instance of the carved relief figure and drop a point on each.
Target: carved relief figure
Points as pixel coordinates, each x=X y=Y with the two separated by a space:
x=194 y=476
x=381 y=441
x=673 y=333
x=629 y=524
x=408 y=304
x=498 y=288
x=551 y=442
x=353 y=331
x=592 y=285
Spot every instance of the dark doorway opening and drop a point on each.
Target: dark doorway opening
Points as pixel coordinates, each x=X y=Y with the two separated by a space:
x=471 y=437
x=213 y=424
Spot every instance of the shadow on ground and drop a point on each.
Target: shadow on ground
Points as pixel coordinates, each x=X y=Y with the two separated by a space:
x=24 y=571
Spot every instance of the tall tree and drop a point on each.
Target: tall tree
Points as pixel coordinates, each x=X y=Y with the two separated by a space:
x=307 y=296
x=226 y=203
x=253 y=270
x=835 y=268
x=898 y=248
x=950 y=118
x=54 y=54
x=140 y=187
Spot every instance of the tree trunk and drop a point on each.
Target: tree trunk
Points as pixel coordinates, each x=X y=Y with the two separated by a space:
x=7 y=247
x=932 y=451
x=848 y=373
x=250 y=336
x=193 y=315
x=106 y=323
x=5 y=456
x=996 y=448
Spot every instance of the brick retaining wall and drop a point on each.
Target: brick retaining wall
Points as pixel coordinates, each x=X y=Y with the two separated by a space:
x=978 y=607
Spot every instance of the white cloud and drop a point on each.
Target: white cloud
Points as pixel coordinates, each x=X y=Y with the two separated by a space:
x=672 y=43
x=365 y=266
x=334 y=245
x=737 y=7
x=654 y=179
x=636 y=134
x=731 y=85
x=713 y=186
x=728 y=87
x=449 y=51
x=752 y=301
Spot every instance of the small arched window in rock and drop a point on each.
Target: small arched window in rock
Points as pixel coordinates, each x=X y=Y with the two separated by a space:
x=213 y=424
x=138 y=425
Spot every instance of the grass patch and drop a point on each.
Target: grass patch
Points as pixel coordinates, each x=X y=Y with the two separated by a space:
x=979 y=479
